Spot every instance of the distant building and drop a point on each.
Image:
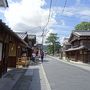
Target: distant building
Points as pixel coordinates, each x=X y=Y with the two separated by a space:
x=39 y=46
x=80 y=46
x=66 y=44
x=32 y=40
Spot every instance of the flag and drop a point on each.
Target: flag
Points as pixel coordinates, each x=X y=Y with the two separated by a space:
x=3 y=3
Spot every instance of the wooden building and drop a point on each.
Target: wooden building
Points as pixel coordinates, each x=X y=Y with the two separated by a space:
x=66 y=45
x=27 y=39
x=39 y=46
x=80 y=46
x=30 y=40
x=31 y=43
x=10 y=44
x=24 y=37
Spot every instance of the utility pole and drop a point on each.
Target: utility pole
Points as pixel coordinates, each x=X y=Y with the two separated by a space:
x=42 y=38
x=44 y=33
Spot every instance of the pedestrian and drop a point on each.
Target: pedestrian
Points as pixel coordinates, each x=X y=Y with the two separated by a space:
x=42 y=55
x=33 y=56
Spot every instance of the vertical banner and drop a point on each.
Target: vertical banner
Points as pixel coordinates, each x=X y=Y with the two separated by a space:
x=0 y=51
x=3 y=3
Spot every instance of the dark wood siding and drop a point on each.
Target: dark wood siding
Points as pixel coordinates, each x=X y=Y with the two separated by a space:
x=79 y=54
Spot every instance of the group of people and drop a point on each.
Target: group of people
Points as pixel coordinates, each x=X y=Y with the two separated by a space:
x=37 y=54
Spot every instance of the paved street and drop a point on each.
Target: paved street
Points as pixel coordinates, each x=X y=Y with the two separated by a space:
x=52 y=74
x=44 y=44
x=63 y=76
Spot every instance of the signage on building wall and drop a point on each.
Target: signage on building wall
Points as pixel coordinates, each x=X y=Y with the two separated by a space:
x=0 y=51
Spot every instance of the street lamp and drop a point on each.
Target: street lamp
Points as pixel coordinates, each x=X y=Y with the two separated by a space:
x=3 y=3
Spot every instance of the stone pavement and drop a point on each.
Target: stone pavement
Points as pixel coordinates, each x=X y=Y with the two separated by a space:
x=30 y=78
x=10 y=79
x=39 y=79
x=33 y=79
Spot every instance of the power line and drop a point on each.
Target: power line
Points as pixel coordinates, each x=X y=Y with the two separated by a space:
x=49 y=19
x=49 y=13
x=64 y=6
x=43 y=30
x=48 y=16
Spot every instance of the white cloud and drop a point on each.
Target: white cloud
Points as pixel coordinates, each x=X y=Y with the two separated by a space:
x=73 y=11
x=39 y=37
x=61 y=22
x=85 y=12
x=28 y=15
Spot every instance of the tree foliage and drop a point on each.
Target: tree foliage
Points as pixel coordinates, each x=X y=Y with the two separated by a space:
x=52 y=38
x=83 y=26
x=52 y=43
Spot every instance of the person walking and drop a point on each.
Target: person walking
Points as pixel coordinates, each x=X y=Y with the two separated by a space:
x=33 y=56
x=42 y=55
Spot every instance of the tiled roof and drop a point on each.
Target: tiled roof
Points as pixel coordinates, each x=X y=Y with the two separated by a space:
x=73 y=49
x=22 y=35
x=82 y=33
x=65 y=41
x=8 y=30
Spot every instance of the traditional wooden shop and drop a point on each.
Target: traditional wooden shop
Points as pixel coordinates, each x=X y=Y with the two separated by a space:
x=30 y=40
x=10 y=45
x=80 y=46
x=24 y=37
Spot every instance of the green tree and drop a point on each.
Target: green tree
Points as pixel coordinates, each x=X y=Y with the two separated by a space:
x=83 y=26
x=57 y=47
x=51 y=40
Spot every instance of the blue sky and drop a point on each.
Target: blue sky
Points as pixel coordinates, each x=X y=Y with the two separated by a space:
x=79 y=9
x=75 y=12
